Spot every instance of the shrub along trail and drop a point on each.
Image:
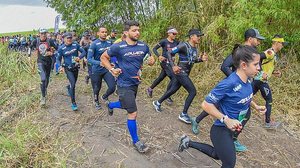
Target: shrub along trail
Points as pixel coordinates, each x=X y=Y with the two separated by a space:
x=91 y=138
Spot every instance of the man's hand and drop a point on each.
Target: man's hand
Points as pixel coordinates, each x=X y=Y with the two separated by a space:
x=61 y=69
x=265 y=76
x=176 y=69
x=77 y=59
x=261 y=109
x=116 y=72
x=161 y=58
x=277 y=73
x=204 y=57
x=49 y=53
x=151 y=60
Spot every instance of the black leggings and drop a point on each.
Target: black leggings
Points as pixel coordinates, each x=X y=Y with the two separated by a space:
x=204 y=114
x=165 y=71
x=223 y=147
x=72 y=75
x=266 y=93
x=177 y=81
x=44 y=71
x=96 y=79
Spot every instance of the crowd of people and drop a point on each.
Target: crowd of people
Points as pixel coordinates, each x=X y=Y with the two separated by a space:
x=118 y=62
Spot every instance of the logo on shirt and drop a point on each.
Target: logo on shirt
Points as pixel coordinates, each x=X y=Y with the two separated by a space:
x=246 y=99
x=70 y=52
x=213 y=97
x=237 y=88
x=134 y=54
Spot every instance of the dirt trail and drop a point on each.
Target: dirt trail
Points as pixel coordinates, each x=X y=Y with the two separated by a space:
x=95 y=139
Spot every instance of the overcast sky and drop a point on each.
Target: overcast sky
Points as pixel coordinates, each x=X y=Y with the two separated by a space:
x=25 y=15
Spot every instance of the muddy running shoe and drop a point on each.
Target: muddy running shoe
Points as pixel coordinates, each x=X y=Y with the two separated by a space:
x=156 y=106
x=110 y=110
x=74 y=107
x=98 y=106
x=149 y=92
x=141 y=147
x=68 y=90
x=169 y=101
x=43 y=101
x=272 y=125
x=184 y=117
x=87 y=79
x=195 y=126
x=184 y=143
x=239 y=147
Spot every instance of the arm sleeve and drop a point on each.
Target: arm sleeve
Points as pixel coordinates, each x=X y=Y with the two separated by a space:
x=82 y=52
x=156 y=47
x=90 y=55
x=59 y=57
x=227 y=65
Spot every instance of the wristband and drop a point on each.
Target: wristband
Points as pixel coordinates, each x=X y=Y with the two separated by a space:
x=223 y=118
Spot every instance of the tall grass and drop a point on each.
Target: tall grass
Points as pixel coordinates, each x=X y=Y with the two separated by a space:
x=25 y=139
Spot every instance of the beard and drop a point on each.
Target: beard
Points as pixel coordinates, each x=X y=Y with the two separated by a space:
x=133 y=38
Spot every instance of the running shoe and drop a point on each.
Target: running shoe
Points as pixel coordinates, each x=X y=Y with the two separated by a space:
x=272 y=125
x=185 y=118
x=74 y=107
x=141 y=147
x=43 y=101
x=195 y=126
x=104 y=99
x=149 y=92
x=110 y=110
x=169 y=101
x=239 y=147
x=98 y=106
x=184 y=143
x=156 y=106
x=68 y=90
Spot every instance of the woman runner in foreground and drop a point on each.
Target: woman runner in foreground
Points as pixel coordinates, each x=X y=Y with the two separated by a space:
x=229 y=102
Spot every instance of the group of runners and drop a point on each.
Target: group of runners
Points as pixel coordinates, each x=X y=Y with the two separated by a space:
x=119 y=63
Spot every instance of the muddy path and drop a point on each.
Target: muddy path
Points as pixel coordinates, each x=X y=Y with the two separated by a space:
x=93 y=139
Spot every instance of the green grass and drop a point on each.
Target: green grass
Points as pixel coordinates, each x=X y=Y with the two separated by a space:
x=26 y=138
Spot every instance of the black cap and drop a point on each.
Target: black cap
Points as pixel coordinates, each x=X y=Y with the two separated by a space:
x=86 y=33
x=67 y=35
x=254 y=33
x=114 y=31
x=196 y=32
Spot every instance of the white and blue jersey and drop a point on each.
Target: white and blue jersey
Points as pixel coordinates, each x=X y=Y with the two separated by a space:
x=97 y=48
x=69 y=52
x=232 y=97
x=130 y=59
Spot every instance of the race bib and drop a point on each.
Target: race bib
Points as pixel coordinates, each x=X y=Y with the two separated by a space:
x=242 y=115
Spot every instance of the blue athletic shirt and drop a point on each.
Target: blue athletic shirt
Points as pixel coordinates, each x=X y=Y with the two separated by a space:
x=130 y=59
x=97 y=48
x=232 y=97
x=69 y=52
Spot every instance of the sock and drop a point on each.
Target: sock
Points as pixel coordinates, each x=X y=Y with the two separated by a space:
x=113 y=105
x=133 y=130
x=202 y=115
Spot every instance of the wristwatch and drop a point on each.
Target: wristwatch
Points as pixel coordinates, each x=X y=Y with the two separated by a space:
x=223 y=118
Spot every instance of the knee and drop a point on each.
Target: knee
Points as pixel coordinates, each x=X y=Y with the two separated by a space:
x=132 y=116
x=193 y=92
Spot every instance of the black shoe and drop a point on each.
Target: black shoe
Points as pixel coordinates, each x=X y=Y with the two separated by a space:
x=98 y=106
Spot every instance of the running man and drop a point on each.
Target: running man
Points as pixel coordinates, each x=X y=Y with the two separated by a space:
x=99 y=72
x=166 y=45
x=85 y=43
x=252 y=38
x=130 y=54
x=229 y=101
x=69 y=51
x=188 y=55
x=260 y=81
x=45 y=48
